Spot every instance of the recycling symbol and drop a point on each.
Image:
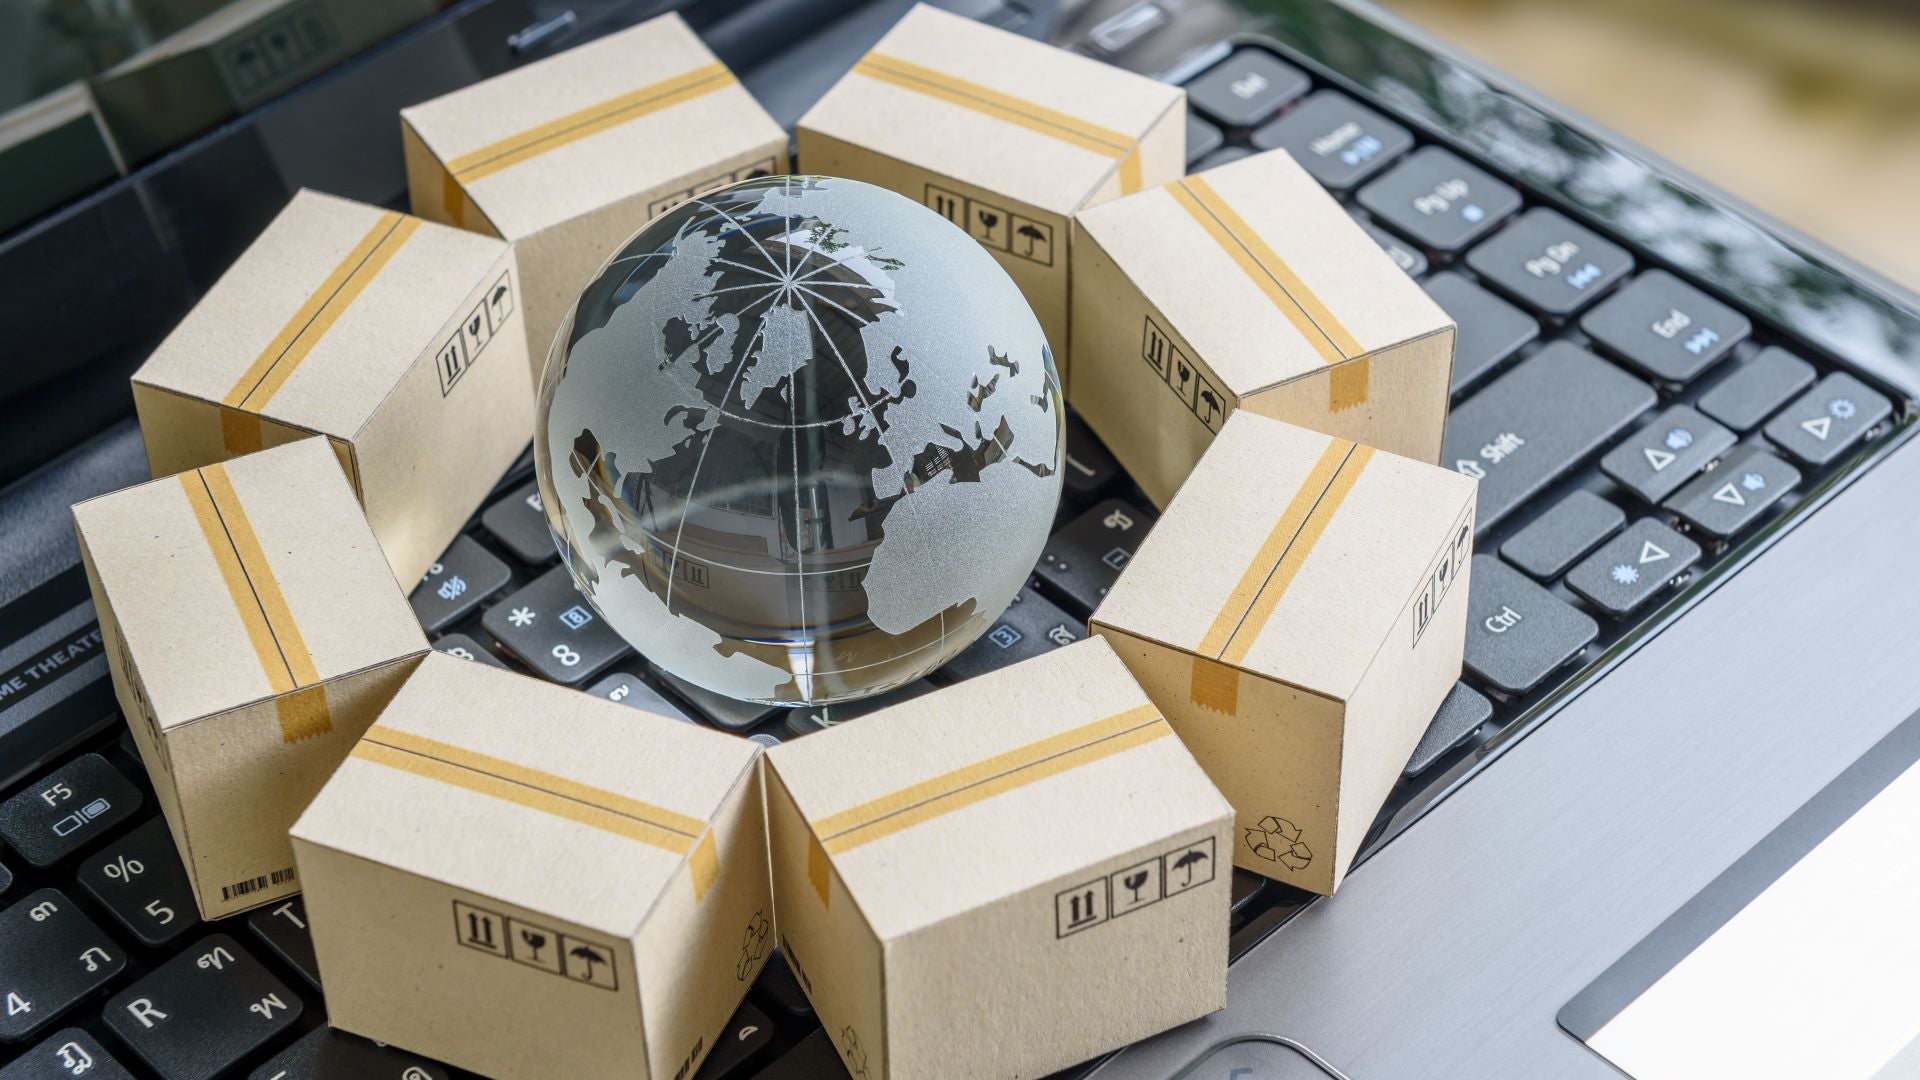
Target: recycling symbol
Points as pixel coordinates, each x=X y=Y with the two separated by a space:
x=855 y=1054
x=753 y=947
x=1276 y=839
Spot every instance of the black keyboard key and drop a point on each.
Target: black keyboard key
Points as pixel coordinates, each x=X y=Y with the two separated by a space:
x=1517 y=632
x=519 y=522
x=1534 y=423
x=1083 y=559
x=64 y=1055
x=812 y=1058
x=1549 y=263
x=466 y=648
x=1666 y=327
x=1827 y=420
x=1246 y=88
x=1569 y=529
x=1733 y=496
x=1202 y=138
x=70 y=807
x=806 y=719
x=731 y=714
x=1408 y=258
x=453 y=588
x=1460 y=714
x=1440 y=201
x=326 y=1054
x=1631 y=568
x=51 y=957
x=139 y=879
x=553 y=630
x=783 y=991
x=6 y=879
x=1490 y=329
x=1339 y=141
x=1666 y=452
x=1247 y=886
x=1087 y=469
x=197 y=1015
x=1757 y=388
x=745 y=1038
x=283 y=929
x=626 y=688
x=1223 y=156
x=1030 y=626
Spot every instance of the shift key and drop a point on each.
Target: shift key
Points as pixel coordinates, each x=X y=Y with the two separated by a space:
x=1530 y=426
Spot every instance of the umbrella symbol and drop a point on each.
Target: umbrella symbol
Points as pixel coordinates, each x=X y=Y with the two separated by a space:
x=1187 y=862
x=1033 y=235
x=1212 y=403
x=589 y=956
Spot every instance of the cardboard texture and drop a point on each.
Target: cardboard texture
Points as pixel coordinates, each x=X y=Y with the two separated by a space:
x=1249 y=288
x=253 y=631
x=1298 y=614
x=1005 y=136
x=568 y=157
x=1002 y=878
x=395 y=338
x=528 y=882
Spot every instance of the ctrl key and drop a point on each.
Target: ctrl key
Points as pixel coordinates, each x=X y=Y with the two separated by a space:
x=65 y=1054
x=195 y=1016
x=1517 y=632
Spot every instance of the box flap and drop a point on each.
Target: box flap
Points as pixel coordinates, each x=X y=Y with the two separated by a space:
x=591 y=127
x=317 y=321
x=995 y=110
x=985 y=789
x=1314 y=546
x=532 y=794
x=1264 y=275
x=248 y=580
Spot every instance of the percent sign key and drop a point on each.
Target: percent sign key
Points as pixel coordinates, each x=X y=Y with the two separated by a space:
x=140 y=881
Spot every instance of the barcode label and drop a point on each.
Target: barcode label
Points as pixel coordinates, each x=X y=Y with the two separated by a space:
x=242 y=888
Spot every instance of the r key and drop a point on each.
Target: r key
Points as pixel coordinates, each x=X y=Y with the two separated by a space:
x=197 y=1015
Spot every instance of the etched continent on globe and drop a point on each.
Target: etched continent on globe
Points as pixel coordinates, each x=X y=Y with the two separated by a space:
x=800 y=440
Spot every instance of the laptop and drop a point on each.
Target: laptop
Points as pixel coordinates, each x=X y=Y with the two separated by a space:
x=1690 y=608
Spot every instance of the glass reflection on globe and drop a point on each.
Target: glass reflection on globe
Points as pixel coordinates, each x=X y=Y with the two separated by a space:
x=800 y=440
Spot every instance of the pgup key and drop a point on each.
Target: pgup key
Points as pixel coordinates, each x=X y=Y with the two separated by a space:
x=195 y=1016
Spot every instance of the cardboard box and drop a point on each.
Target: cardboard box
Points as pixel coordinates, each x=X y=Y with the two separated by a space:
x=253 y=631
x=1001 y=878
x=1249 y=288
x=529 y=882
x=1005 y=136
x=1298 y=614
x=568 y=157
x=395 y=338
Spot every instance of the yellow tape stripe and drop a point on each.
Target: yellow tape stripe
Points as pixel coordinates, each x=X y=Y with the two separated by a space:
x=266 y=587
x=239 y=589
x=304 y=713
x=545 y=802
x=1009 y=109
x=1230 y=244
x=987 y=789
x=1296 y=556
x=500 y=768
x=591 y=120
x=1260 y=567
x=1270 y=261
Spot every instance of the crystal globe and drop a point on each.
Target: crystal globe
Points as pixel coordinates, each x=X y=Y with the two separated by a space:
x=799 y=441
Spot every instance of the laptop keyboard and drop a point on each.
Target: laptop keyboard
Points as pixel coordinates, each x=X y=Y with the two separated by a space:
x=1628 y=431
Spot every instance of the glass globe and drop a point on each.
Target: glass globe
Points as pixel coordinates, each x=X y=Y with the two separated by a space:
x=799 y=441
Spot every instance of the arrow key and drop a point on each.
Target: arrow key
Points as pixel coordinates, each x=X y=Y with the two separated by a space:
x=1654 y=461
x=1828 y=419
x=1733 y=496
x=1629 y=569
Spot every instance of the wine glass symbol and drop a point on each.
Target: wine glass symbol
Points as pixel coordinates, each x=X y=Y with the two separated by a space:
x=1135 y=881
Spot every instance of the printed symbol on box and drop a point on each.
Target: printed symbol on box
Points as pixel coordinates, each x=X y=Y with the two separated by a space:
x=478 y=928
x=948 y=205
x=499 y=303
x=534 y=946
x=1135 y=887
x=1082 y=907
x=451 y=362
x=1189 y=867
x=1159 y=351
x=1276 y=839
x=576 y=617
x=477 y=329
x=1206 y=403
x=1004 y=636
x=588 y=963
x=854 y=1054
x=1117 y=558
x=990 y=225
x=752 y=947
x=1194 y=390
x=74 y=1058
x=1032 y=240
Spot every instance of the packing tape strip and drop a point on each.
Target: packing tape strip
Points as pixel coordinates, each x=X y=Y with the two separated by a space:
x=1215 y=679
x=536 y=789
x=250 y=393
x=1348 y=382
x=277 y=642
x=1010 y=109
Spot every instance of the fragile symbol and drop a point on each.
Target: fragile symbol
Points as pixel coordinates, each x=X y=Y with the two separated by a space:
x=1276 y=839
x=752 y=947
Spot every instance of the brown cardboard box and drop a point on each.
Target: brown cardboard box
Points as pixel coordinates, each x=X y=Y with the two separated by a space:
x=1005 y=136
x=1002 y=878
x=1248 y=287
x=253 y=631
x=1298 y=614
x=529 y=882
x=395 y=338
x=568 y=157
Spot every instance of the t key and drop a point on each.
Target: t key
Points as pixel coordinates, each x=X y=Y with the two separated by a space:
x=51 y=956
x=198 y=1014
